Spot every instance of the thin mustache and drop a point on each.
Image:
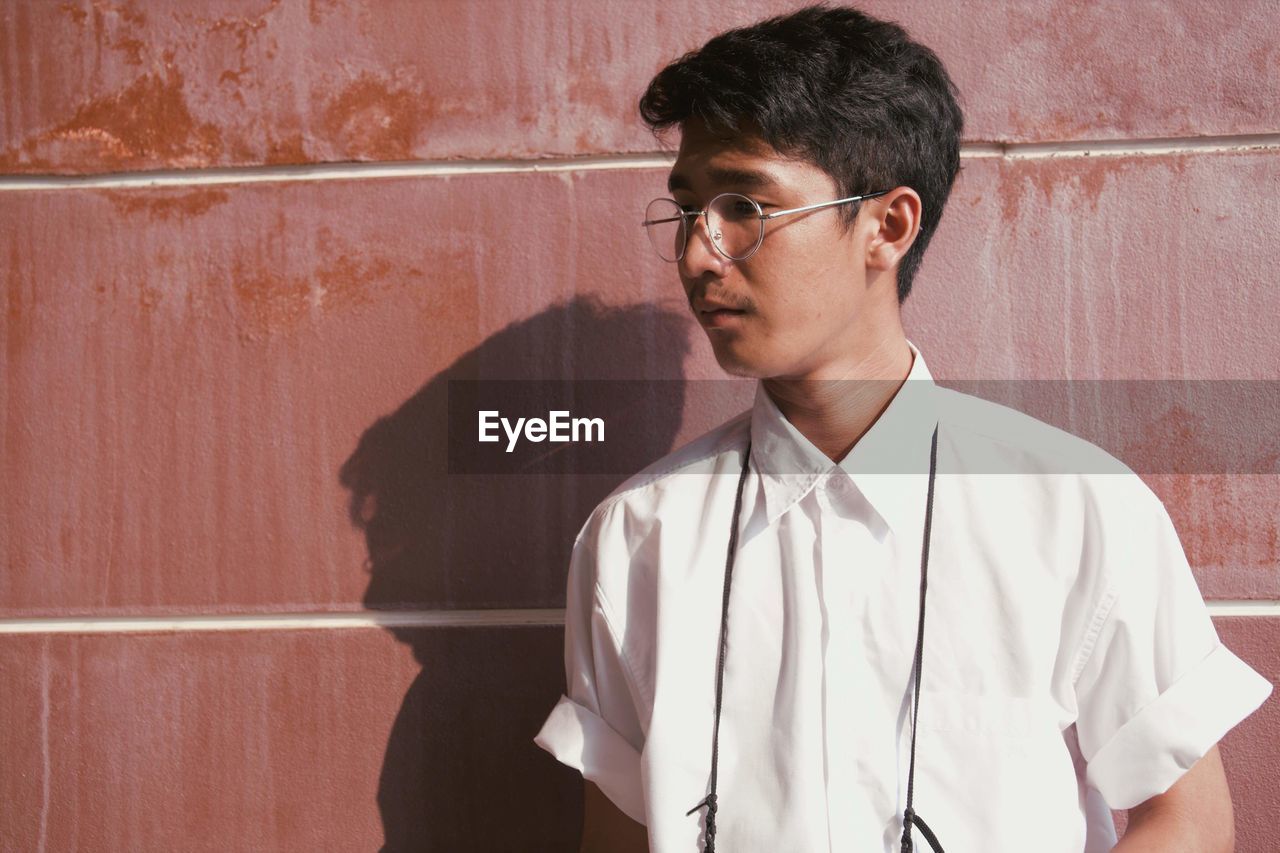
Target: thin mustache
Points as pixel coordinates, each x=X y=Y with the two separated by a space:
x=733 y=304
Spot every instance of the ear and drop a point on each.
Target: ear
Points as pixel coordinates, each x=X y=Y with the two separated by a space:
x=893 y=220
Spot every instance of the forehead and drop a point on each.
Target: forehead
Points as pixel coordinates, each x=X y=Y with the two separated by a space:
x=712 y=159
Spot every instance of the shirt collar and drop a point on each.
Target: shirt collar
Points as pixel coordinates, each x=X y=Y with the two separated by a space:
x=889 y=464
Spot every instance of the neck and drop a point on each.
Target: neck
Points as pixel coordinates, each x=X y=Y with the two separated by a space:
x=834 y=413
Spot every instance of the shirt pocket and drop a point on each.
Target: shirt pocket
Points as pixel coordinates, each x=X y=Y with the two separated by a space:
x=994 y=770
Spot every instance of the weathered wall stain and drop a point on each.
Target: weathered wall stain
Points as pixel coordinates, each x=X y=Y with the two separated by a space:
x=456 y=78
x=1071 y=186
x=345 y=278
x=374 y=120
x=145 y=124
x=165 y=202
x=242 y=29
x=1217 y=521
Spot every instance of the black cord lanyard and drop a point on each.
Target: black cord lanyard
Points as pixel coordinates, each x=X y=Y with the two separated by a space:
x=909 y=816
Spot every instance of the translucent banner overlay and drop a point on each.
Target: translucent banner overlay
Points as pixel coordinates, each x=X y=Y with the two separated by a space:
x=617 y=427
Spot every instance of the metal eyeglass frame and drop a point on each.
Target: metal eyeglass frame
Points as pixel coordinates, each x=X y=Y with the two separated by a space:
x=760 y=214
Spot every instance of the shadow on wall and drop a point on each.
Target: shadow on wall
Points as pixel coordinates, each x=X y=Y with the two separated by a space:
x=461 y=771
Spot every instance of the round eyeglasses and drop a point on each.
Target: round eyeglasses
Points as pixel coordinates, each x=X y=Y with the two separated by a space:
x=735 y=223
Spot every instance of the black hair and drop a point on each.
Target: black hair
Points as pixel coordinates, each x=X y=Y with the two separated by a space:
x=849 y=93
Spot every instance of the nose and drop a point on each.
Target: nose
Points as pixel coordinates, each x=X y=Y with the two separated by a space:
x=700 y=256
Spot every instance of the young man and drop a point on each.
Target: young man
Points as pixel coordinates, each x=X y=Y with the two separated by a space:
x=749 y=663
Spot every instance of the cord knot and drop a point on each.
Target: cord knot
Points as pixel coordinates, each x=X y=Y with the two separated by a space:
x=709 y=801
x=908 y=817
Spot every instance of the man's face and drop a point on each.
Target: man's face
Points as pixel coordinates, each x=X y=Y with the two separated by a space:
x=803 y=297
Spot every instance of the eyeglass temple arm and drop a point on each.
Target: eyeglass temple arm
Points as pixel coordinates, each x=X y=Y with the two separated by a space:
x=822 y=204
x=696 y=213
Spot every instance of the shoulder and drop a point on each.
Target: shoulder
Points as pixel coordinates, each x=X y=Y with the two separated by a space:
x=1064 y=484
x=1068 y=490
x=988 y=437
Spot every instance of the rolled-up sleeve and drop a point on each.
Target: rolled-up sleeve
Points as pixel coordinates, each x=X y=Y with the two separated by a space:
x=594 y=728
x=1156 y=688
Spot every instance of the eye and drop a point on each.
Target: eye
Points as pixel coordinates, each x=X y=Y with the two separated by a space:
x=736 y=209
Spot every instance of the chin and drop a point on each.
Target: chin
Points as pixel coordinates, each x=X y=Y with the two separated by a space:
x=740 y=365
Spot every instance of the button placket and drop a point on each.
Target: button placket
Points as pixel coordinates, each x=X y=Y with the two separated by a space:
x=826 y=593
x=842 y=557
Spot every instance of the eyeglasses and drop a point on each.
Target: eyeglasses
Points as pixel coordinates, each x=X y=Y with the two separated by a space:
x=735 y=223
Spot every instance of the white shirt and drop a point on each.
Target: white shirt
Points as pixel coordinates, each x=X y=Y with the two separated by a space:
x=1070 y=664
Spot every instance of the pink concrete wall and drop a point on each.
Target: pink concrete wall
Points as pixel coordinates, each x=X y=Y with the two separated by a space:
x=227 y=399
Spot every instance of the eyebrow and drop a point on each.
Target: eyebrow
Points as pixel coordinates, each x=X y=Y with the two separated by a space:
x=743 y=178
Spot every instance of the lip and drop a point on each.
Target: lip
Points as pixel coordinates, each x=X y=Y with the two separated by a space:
x=720 y=317
x=704 y=304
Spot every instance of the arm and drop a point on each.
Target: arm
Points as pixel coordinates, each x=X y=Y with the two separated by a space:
x=605 y=829
x=1193 y=816
x=1154 y=685
x=595 y=728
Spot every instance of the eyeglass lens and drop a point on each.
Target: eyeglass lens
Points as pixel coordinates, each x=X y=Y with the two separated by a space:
x=733 y=222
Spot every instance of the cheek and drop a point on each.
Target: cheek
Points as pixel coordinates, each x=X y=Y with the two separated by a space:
x=787 y=325
x=803 y=298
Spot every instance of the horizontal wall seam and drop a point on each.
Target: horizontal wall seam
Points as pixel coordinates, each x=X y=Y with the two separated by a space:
x=380 y=619
x=1125 y=147
x=651 y=160
x=1244 y=608
x=283 y=621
